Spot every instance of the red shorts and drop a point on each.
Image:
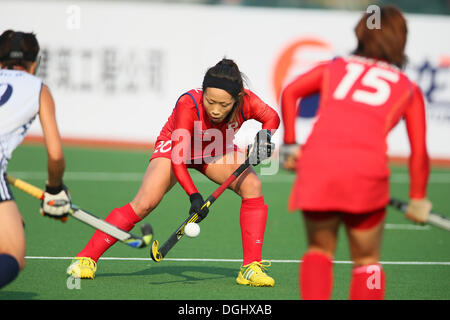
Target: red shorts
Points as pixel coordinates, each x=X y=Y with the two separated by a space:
x=361 y=221
x=163 y=149
x=339 y=181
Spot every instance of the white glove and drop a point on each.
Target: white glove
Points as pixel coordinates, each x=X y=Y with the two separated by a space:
x=56 y=203
x=418 y=210
x=288 y=154
x=262 y=148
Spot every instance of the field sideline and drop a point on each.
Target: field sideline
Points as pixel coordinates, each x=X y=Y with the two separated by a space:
x=416 y=258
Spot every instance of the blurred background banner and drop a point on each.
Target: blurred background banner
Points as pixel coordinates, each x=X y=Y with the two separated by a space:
x=117 y=68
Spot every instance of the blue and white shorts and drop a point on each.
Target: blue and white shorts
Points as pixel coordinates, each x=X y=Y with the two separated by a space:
x=5 y=190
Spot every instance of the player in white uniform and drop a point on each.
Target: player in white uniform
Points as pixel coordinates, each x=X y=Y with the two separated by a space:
x=22 y=97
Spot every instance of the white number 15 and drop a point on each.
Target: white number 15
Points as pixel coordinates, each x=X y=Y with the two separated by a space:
x=375 y=78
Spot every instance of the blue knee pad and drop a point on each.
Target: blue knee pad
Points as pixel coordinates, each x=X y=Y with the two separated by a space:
x=9 y=269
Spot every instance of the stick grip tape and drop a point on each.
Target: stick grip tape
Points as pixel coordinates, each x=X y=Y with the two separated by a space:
x=26 y=187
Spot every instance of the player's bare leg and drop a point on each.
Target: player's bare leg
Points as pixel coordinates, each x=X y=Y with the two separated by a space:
x=316 y=269
x=12 y=242
x=322 y=235
x=247 y=185
x=368 y=279
x=253 y=217
x=158 y=179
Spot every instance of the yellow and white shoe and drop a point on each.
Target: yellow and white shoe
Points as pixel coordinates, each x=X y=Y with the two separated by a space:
x=82 y=268
x=254 y=275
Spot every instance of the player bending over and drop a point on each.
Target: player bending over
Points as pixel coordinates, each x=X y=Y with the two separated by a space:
x=218 y=109
x=342 y=171
x=22 y=97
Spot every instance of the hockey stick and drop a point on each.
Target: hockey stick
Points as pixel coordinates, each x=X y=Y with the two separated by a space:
x=157 y=253
x=436 y=219
x=91 y=220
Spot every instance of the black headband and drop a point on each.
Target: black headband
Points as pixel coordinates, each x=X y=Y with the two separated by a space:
x=229 y=86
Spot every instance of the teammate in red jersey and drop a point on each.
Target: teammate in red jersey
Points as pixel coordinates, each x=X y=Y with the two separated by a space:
x=199 y=134
x=342 y=170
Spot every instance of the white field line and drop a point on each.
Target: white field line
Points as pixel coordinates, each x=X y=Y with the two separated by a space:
x=198 y=178
x=419 y=263
x=395 y=226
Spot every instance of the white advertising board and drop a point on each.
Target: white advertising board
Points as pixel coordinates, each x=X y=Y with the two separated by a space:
x=116 y=69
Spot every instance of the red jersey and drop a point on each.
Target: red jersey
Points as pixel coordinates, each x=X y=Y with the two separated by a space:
x=343 y=165
x=204 y=139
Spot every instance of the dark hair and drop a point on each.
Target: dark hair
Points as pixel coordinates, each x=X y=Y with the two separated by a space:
x=227 y=76
x=387 y=42
x=18 y=49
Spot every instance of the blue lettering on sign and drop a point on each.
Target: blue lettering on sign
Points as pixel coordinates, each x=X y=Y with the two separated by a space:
x=427 y=77
x=5 y=93
x=308 y=106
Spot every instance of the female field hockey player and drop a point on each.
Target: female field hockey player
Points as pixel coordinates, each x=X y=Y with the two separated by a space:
x=22 y=97
x=217 y=110
x=342 y=170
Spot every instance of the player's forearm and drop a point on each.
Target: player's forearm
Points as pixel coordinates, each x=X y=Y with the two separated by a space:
x=419 y=162
x=183 y=177
x=271 y=121
x=288 y=112
x=181 y=154
x=56 y=167
x=419 y=170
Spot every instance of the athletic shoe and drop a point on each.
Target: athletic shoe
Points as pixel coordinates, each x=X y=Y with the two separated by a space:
x=83 y=268
x=254 y=275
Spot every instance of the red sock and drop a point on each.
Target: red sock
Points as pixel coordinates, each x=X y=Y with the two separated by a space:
x=316 y=276
x=253 y=224
x=368 y=283
x=124 y=218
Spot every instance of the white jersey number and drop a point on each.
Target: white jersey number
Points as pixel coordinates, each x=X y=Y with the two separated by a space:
x=163 y=146
x=376 y=78
x=5 y=93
